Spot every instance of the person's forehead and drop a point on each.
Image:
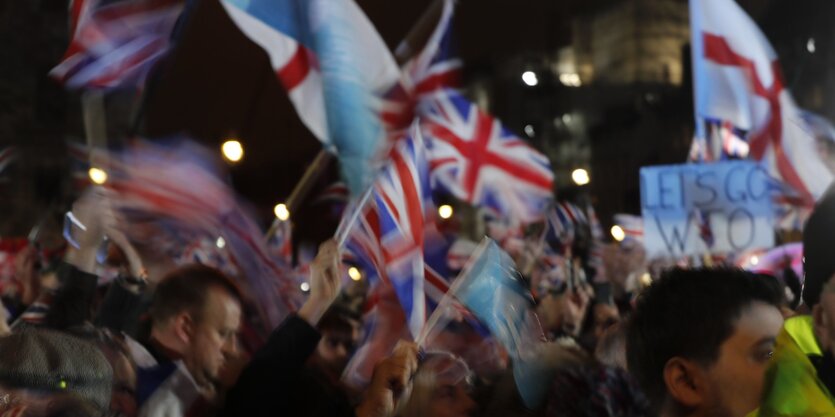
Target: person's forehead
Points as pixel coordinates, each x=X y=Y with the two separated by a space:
x=221 y=304
x=758 y=321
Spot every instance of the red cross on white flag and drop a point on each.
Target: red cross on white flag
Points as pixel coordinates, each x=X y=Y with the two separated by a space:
x=737 y=79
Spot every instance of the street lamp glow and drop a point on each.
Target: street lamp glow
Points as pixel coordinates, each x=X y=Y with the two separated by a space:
x=97 y=175
x=570 y=80
x=232 y=150
x=530 y=78
x=354 y=273
x=281 y=212
x=445 y=211
x=580 y=176
x=618 y=233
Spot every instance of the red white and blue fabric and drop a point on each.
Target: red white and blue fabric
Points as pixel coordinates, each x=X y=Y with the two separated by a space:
x=434 y=68
x=395 y=239
x=403 y=198
x=633 y=226
x=479 y=161
x=509 y=233
x=8 y=155
x=280 y=243
x=334 y=193
x=205 y=251
x=737 y=79
x=175 y=189
x=722 y=140
x=705 y=228
x=116 y=43
x=334 y=66
x=562 y=222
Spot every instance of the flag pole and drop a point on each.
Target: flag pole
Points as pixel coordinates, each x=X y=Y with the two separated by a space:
x=448 y=297
x=420 y=33
x=342 y=231
x=302 y=188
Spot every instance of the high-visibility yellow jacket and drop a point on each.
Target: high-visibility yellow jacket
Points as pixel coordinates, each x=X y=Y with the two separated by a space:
x=792 y=384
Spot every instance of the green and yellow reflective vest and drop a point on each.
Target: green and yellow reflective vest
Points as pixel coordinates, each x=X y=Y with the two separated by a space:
x=792 y=384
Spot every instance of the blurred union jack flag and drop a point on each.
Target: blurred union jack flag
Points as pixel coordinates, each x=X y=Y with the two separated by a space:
x=116 y=42
x=280 y=243
x=389 y=238
x=479 y=161
x=434 y=68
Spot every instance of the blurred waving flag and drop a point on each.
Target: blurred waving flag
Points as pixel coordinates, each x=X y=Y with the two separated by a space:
x=175 y=191
x=432 y=69
x=492 y=289
x=737 y=80
x=116 y=42
x=475 y=158
x=334 y=66
x=633 y=227
x=280 y=243
x=562 y=222
x=388 y=237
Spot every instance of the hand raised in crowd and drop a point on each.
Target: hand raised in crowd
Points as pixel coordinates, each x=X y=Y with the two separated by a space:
x=391 y=377
x=117 y=237
x=325 y=283
x=87 y=210
x=26 y=274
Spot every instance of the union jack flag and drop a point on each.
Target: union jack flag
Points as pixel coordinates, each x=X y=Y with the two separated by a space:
x=396 y=226
x=479 y=161
x=722 y=141
x=280 y=243
x=431 y=70
x=403 y=197
x=562 y=222
x=177 y=187
x=633 y=226
x=116 y=42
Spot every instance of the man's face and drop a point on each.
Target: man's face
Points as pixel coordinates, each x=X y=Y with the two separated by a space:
x=735 y=381
x=336 y=347
x=215 y=336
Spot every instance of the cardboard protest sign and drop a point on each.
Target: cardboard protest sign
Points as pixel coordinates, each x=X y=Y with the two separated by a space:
x=693 y=209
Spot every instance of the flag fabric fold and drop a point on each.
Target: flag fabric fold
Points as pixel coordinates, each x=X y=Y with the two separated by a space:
x=478 y=160
x=116 y=43
x=491 y=288
x=738 y=81
x=334 y=66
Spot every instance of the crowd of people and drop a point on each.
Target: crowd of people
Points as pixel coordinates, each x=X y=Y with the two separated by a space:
x=166 y=340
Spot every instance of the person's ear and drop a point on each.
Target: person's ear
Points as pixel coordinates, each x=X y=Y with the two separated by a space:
x=184 y=327
x=686 y=382
x=820 y=321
